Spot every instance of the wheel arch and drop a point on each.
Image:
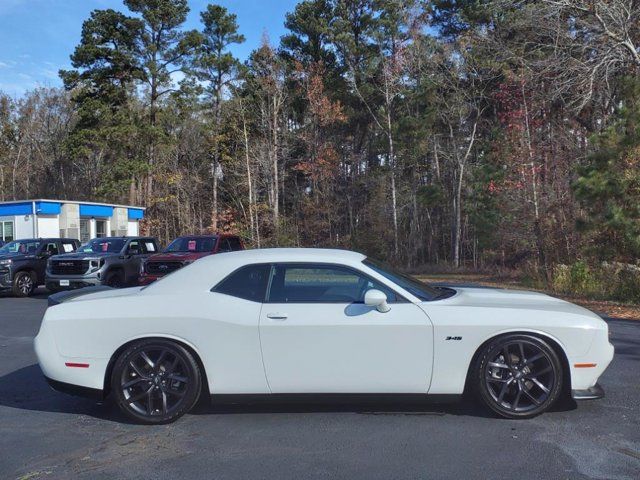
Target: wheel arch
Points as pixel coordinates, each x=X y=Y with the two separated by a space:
x=106 y=389
x=28 y=269
x=553 y=343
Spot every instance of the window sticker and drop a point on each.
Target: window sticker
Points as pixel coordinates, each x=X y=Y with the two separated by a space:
x=104 y=247
x=191 y=246
x=68 y=248
x=150 y=246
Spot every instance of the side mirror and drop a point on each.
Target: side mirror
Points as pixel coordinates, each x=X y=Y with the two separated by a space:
x=376 y=298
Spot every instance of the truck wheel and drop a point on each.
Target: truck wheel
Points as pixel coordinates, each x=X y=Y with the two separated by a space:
x=23 y=284
x=114 y=280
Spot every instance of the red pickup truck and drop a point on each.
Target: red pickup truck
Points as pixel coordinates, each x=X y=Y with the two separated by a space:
x=183 y=251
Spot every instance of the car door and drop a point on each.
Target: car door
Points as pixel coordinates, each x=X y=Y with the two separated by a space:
x=317 y=336
x=48 y=250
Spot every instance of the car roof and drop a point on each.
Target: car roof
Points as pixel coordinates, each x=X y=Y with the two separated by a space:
x=268 y=255
x=211 y=235
x=47 y=239
x=124 y=238
x=209 y=270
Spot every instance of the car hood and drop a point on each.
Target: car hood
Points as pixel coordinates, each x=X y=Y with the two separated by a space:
x=178 y=256
x=505 y=298
x=83 y=256
x=15 y=256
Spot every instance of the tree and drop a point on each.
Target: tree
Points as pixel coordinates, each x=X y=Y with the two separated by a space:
x=217 y=67
x=609 y=184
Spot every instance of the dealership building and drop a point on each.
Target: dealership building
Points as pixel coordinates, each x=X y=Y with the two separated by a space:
x=67 y=219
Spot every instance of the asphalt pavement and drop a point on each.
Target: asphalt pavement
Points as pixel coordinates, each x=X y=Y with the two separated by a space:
x=48 y=435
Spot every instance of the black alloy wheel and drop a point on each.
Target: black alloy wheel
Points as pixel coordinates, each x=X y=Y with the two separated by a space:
x=156 y=381
x=23 y=284
x=519 y=376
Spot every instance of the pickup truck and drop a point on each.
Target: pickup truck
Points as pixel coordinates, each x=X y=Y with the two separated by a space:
x=23 y=262
x=185 y=250
x=111 y=261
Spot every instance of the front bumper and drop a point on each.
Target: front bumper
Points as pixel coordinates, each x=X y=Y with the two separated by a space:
x=52 y=282
x=147 y=279
x=592 y=393
x=6 y=279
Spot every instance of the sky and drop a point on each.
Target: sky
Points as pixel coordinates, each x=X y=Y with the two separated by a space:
x=37 y=36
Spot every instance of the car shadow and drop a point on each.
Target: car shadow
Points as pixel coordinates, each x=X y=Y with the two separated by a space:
x=39 y=293
x=26 y=389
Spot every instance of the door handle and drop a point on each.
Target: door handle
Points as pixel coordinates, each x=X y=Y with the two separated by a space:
x=277 y=316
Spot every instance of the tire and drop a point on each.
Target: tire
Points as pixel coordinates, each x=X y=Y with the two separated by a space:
x=114 y=279
x=518 y=376
x=156 y=381
x=23 y=284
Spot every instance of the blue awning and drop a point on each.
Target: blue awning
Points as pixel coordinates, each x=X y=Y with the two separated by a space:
x=136 y=214
x=95 y=210
x=48 y=208
x=23 y=208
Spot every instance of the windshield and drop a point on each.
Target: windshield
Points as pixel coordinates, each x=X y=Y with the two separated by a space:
x=103 y=245
x=415 y=287
x=192 y=244
x=21 y=246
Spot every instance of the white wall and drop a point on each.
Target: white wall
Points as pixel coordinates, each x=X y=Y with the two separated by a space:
x=132 y=228
x=48 y=226
x=24 y=226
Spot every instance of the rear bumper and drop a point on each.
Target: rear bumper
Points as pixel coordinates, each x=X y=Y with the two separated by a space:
x=591 y=393
x=75 y=390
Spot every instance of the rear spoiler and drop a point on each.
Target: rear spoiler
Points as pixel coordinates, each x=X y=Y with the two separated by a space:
x=61 y=297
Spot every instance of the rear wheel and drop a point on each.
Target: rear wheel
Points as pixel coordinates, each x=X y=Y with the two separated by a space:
x=518 y=376
x=23 y=284
x=156 y=381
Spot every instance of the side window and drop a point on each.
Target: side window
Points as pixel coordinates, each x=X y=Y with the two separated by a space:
x=234 y=244
x=68 y=247
x=322 y=284
x=134 y=248
x=51 y=248
x=227 y=245
x=249 y=283
x=148 y=246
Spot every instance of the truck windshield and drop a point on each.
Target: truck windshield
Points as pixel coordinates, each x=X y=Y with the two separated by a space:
x=192 y=244
x=412 y=285
x=103 y=245
x=21 y=246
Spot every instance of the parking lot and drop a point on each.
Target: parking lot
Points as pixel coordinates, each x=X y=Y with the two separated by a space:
x=45 y=434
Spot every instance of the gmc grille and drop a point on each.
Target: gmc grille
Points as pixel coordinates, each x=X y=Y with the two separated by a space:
x=162 y=268
x=69 y=267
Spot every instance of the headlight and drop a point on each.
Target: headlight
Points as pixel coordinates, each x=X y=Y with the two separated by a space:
x=96 y=263
x=6 y=262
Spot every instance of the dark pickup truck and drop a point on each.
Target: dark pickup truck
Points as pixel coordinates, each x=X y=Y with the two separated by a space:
x=23 y=262
x=111 y=261
x=185 y=250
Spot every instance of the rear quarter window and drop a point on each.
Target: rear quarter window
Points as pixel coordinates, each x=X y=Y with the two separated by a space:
x=249 y=283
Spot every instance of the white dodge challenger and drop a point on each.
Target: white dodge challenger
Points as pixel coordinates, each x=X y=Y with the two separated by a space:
x=316 y=321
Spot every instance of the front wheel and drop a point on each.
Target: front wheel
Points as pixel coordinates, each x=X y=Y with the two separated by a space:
x=518 y=376
x=115 y=279
x=23 y=284
x=156 y=381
